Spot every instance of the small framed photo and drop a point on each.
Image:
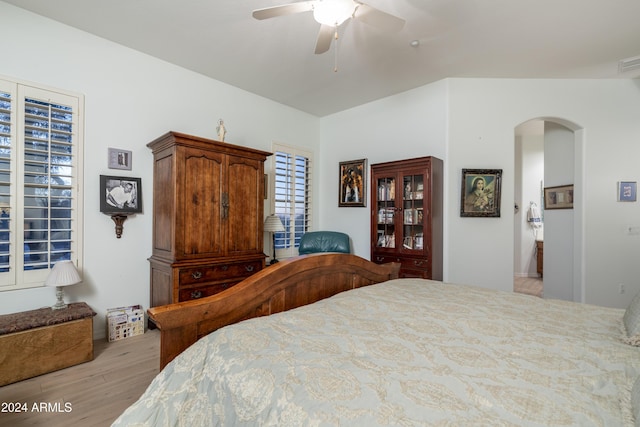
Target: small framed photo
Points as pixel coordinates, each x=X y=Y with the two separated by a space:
x=480 y=193
x=120 y=195
x=627 y=191
x=559 y=197
x=352 y=190
x=119 y=159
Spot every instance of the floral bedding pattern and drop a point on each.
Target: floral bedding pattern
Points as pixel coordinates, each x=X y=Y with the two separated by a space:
x=407 y=352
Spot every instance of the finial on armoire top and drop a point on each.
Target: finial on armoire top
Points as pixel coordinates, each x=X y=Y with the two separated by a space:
x=222 y=130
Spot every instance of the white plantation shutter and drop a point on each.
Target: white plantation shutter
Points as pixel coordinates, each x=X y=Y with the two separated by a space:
x=292 y=198
x=40 y=176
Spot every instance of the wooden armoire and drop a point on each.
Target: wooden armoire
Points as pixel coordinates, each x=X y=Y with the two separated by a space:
x=208 y=205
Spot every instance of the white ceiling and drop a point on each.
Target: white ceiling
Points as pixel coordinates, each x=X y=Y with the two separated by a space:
x=458 y=38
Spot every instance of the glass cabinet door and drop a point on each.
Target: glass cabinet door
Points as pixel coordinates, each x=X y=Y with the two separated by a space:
x=412 y=212
x=386 y=211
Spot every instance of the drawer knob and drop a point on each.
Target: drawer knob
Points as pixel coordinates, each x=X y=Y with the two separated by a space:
x=196 y=275
x=196 y=294
x=380 y=258
x=249 y=268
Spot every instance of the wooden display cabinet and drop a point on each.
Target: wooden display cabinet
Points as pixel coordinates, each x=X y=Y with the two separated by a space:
x=406 y=216
x=208 y=213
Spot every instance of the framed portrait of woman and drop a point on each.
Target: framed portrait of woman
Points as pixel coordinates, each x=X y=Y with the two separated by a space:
x=480 y=193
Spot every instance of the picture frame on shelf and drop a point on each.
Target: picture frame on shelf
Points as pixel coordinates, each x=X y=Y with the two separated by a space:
x=480 y=193
x=120 y=159
x=627 y=191
x=558 y=197
x=120 y=195
x=352 y=189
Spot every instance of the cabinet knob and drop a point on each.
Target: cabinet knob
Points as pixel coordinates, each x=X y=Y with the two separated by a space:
x=249 y=268
x=379 y=258
x=196 y=294
x=196 y=275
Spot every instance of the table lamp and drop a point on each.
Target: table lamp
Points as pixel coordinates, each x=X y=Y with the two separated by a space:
x=273 y=225
x=62 y=274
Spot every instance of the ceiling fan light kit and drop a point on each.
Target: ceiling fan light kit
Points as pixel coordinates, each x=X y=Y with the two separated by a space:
x=333 y=12
x=330 y=14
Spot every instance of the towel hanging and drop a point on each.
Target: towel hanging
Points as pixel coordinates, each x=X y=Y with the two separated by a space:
x=533 y=215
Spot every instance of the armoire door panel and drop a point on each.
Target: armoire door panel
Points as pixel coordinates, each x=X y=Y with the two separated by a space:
x=247 y=202
x=202 y=205
x=163 y=215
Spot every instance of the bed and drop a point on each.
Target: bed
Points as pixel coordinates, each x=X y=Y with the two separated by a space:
x=392 y=352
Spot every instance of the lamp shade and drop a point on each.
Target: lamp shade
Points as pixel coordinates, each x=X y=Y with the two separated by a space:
x=273 y=224
x=63 y=273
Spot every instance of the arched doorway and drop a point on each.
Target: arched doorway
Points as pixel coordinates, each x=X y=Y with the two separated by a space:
x=549 y=152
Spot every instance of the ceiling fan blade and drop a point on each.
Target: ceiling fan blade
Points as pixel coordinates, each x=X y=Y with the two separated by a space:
x=285 y=9
x=377 y=18
x=325 y=36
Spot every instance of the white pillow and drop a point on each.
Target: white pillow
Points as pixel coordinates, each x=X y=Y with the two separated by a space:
x=631 y=321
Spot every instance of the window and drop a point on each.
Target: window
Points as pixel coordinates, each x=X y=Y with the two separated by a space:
x=292 y=197
x=40 y=177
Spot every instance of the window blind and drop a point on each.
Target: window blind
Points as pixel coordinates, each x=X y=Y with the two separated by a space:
x=292 y=197
x=40 y=176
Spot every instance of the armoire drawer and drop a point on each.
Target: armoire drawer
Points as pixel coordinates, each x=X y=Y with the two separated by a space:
x=187 y=294
x=209 y=273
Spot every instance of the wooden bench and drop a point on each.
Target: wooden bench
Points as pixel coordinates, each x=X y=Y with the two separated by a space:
x=44 y=340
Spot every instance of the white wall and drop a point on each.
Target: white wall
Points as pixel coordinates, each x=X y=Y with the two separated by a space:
x=559 y=251
x=481 y=115
x=130 y=99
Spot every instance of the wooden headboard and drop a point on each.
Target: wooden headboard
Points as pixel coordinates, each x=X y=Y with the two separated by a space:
x=288 y=284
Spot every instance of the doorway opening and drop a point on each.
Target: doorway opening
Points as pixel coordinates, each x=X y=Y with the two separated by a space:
x=548 y=254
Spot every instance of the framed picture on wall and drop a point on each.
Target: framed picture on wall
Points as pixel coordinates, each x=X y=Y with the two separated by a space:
x=120 y=195
x=558 y=197
x=480 y=193
x=627 y=191
x=120 y=159
x=352 y=176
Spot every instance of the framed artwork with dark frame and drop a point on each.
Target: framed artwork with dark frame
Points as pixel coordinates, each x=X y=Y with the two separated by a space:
x=120 y=159
x=558 y=197
x=352 y=191
x=480 y=193
x=120 y=195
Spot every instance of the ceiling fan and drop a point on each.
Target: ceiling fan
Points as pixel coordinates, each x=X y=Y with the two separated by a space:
x=330 y=14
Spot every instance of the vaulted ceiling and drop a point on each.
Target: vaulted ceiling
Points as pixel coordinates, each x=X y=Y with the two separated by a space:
x=275 y=58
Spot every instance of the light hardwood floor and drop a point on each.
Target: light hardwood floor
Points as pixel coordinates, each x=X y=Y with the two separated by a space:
x=529 y=285
x=97 y=391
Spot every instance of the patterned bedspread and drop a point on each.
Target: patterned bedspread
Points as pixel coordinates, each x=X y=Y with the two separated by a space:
x=407 y=352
